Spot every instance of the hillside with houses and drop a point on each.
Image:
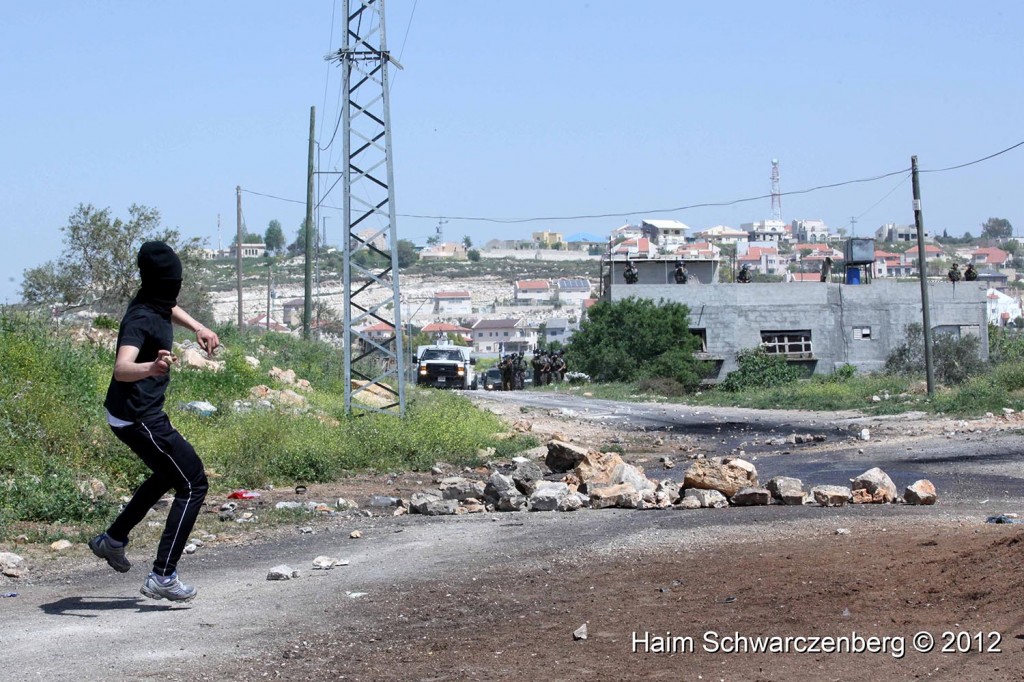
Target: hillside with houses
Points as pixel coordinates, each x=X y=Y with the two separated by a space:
x=515 y=294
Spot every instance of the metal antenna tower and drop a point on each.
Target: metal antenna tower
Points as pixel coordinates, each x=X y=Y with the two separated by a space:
x=369 y=209
x=776 y=192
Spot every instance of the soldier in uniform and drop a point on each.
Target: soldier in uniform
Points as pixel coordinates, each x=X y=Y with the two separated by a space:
x=680 y=272
x=505 y=367
x=970 y=274
x=558 y=366
x=518 y=371
x=545 y=370
x=630 y=274
x=537 y=362
x=954 y=273
x=744 y=276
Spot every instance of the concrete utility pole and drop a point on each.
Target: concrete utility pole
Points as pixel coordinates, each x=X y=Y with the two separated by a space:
x=238 y=252
x=270 y=268
x=369 y=210
x=307 y=308
x=922 y=262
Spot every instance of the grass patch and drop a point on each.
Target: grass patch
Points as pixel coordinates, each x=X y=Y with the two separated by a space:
x=54 y=437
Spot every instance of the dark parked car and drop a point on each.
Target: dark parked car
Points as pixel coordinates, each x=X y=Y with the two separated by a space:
x=492 y=379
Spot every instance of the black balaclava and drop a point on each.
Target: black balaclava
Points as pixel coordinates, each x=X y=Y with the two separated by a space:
x=160 y=268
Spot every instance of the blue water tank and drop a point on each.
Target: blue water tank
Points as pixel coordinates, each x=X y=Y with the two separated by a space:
x=853 y=275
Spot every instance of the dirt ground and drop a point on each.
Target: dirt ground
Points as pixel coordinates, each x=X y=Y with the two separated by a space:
x=668 y=609
x=673 y=614
x=960 y=587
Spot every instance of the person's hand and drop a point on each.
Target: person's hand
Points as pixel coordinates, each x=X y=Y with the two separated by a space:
x=162 y=364
x=208 y=340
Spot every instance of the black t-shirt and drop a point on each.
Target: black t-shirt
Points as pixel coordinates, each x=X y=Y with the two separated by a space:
x=149 y=331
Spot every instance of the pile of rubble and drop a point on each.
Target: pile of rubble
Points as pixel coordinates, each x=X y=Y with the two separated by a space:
x=574 y=477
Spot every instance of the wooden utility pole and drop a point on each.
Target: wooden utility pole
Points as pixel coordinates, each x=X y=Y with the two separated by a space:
x=922 y=263
x=307 y=309
x=238 y=252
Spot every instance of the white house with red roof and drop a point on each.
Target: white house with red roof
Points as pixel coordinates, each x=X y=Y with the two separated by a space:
x=452 y=331
x=379 y=331
x=889 y=264
x=453 y=302
x=698 y=250
x=816 y=248
x=1002 y=309
x=763 y=259
x=722 y=234
x=508 y=335
x=990 y=255
x=803 y=277
x=641 y=247
x=532 y=290
x=931 y=252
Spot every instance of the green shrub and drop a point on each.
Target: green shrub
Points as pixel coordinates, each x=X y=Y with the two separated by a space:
x=976 y=397
x=758 y=369
x=1005 y=344
x=954 y=360
x=53 y=497
x=1010 y=376
x=842 y=374
x=677 y=365
x=635 y=338
x=105 y=322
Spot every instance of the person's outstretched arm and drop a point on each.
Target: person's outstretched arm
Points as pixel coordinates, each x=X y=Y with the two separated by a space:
x=207 y=338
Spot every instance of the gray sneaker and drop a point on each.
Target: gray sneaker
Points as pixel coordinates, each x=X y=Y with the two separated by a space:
x=101 y=547
x=172 y=591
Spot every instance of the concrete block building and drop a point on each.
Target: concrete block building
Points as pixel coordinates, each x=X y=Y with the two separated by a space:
x=820 y=325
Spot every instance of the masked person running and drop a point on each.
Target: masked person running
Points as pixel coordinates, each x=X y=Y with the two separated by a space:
x=134 y=405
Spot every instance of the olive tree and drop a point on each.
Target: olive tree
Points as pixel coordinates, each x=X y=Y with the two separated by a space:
x=97 y=269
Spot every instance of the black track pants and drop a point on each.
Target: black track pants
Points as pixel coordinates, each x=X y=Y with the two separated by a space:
x=176 y=465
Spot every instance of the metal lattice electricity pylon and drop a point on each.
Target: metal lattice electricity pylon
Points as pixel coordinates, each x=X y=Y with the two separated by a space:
x=371 y=242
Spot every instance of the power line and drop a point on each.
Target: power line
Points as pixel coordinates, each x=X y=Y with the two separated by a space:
x=330 y=45
x=886 y=196
x=401 y=50
x=714 y=204
x=675 y=209
x=971 y=163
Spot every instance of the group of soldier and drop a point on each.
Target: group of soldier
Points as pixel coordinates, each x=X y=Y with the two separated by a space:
x=969 y=274
x=632 y=275
x=547 y=367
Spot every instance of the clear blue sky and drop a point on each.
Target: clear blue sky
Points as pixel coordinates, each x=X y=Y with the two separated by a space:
x=512 y=110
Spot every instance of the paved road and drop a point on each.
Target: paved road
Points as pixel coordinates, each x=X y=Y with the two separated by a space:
x=93 y=625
